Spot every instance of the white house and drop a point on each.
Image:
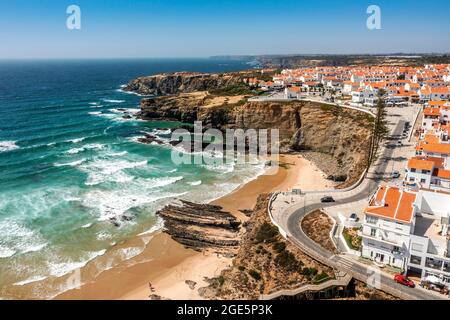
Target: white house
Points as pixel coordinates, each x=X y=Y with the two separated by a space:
x=409 y=231
x=387 y=226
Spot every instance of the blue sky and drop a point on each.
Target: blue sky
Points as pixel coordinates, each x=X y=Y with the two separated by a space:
x=199 y=28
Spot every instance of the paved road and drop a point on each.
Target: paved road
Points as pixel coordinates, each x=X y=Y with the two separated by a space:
x=290 y=222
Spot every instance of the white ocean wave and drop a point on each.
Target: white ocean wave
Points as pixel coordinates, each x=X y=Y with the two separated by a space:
x=130 y=252
x=8 y=146
x=118 y=154
x=158 y=226
x=95 y=113
x=34 y=248
x=70 y=164
x=196 y=183
x=162 y=132
x=15 y=238
x=86 y=147
x=30 y=280
x=75 y=150
x=125 y=110
x=162 y=182
x=107 y=204
x=131 y=92
x=6 y=252
x=63 y=268
x=77 y=140
x=113 y=101
x=103 y=170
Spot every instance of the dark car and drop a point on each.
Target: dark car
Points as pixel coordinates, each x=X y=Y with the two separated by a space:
x=399 y=278
x=327 y=199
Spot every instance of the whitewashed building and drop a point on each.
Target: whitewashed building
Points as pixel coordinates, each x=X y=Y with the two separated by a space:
x=409 y=230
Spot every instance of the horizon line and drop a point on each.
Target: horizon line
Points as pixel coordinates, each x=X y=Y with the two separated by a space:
x=230 y=55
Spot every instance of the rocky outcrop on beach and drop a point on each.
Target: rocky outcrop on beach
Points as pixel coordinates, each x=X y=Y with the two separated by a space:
x=171 y=83
x=201 y=226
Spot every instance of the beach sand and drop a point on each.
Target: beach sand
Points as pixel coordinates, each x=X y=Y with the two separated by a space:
x=164 y=266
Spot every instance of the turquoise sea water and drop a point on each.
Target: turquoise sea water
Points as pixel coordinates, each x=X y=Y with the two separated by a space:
x=69 y=162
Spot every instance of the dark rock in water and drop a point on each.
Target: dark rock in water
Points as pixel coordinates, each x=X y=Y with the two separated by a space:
x=121 y=109
x=126 y=218
x=126 y=116
x=200 y=226
x=149 y=139
x=114 y=221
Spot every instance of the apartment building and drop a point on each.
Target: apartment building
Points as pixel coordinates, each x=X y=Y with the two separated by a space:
x=409 y=231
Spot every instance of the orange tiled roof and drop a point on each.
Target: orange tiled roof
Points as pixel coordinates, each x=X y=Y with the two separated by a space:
x=422 y=164
x=431 y=138
x=392 y=203
x=432 y=111
x=437 y=147
x=442 y=173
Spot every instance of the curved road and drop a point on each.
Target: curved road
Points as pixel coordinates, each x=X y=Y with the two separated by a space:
x=290 y=222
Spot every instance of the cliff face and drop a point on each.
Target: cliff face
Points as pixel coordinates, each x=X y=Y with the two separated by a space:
x=335 y=138
x=171 y=83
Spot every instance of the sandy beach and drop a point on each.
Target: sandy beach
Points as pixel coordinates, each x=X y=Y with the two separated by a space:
x=164 y=266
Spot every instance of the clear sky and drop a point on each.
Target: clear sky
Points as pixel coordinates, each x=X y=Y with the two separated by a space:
x=200 y=28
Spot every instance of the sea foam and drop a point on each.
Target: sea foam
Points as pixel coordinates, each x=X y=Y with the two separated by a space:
x=8 y=146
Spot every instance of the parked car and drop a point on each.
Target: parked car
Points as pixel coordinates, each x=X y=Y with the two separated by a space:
x=327 y=199
x=353 y=217
x=399 y=142
x=399 y=278
x=395 y=175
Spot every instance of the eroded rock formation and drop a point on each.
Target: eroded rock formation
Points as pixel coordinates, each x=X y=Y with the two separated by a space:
x=200 y=226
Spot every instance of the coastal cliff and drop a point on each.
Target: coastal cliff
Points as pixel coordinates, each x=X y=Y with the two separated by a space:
x=335 y=139
x=171 y=83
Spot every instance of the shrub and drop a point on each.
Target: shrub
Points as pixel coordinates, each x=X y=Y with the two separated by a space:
x=266 y=233
x=279 y=246
x=288 y=261
x=241 y=268
x=321 y=277
x=255 y=274
x=220 y=280
x=310 y=272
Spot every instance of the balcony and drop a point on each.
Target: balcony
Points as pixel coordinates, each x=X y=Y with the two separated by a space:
x=433 y=264
x=447 y=267
x=415 y=260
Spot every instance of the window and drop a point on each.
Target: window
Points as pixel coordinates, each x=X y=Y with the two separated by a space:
x=413 y=169
x=371 y=220
x=422 y=180
x=373 y=232
x=415 y=259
